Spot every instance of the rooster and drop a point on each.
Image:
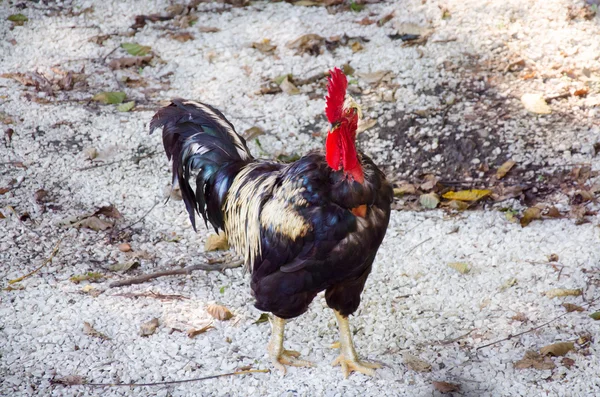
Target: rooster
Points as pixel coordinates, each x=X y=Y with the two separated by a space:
x=310 y=226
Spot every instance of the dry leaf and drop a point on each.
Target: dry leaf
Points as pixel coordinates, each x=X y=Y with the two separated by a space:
x=405 y=189
x=553 y=212
x=557 y=349
x=375 y=77
x=89 y=330
x=91 y=290
x=457 y=205
x=93 y=223
x=385 y=19
x=595 y=316
x=429 y=200
x=535 y=103
x=253 y=132
x=467 y=195
x=69 y=380
x=365 y=124
x=567 y=362
x=219 y=312
x=461 y=267
x=208 y=29
x=559 y=292
x=366 y=21
x=264 y=317
x=124 y=266
x=264 y=46
x=288 y=87
x=511 y=282
x=192 y=333
x=216 y=242
x=126 y=62
x=182 y=37
x=416 y=364
x=570 y=307
x=149 y=327
x=533 y=359
x=308 y=43
x=504 y=168
x=92 y=277
x=109 y=211
x=529 y=215
x=356 y=46
x=445 y=387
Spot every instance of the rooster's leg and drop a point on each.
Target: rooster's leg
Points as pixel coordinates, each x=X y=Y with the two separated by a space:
x=348 y=358
x=279 y=356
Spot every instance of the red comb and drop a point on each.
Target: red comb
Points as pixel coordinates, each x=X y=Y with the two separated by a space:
x=336 y=92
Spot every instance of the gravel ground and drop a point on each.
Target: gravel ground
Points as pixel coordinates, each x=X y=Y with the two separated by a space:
x=449 y=105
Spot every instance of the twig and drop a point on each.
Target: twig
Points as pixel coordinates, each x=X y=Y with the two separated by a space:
x=134 y=158
x=116 y=232
x=418 y=245
x=510 y=336
x=152 y=295
x=48 y=260
x=185 y=270
x=173 y=382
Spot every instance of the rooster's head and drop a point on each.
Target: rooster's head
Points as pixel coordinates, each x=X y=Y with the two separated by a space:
x=343 y=114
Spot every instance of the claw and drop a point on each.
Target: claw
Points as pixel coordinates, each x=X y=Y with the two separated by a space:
x=281 y=357
x=352 y=365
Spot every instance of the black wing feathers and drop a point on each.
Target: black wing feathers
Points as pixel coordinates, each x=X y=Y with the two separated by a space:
x=198 y=137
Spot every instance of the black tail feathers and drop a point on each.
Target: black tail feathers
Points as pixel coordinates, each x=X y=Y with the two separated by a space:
x=197 y=136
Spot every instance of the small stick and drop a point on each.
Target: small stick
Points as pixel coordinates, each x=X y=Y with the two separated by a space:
x=185 y=270
x=510 y=336
x=48 y=260
x=173 y=382
x=418 y=245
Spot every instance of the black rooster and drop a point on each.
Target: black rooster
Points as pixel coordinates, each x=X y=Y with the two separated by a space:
x=309 y=226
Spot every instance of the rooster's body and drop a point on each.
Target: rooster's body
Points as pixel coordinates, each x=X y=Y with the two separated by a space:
x=309 y=226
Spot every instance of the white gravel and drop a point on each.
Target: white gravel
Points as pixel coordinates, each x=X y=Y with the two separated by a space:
x=414 y=303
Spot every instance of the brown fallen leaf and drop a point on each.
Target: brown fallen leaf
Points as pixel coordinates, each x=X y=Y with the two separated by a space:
x=581 y=92
x=553 y=212
x=376 y=77
x=415 y=363
x=208 y=29
x=264 y=46
x=570 y=307
x=385 y=19
x=109 y=211
x=529 y=215
x=366 y=21
x=567 y=362
x=4 y=190
x=192 y=333
x=182 y=37
x=553 y=258
x=456 y=205
x=69 y=380
x=557 y=349
x=533 y=359
x=406 y=188
x=309 y=43
x=149 y=327
x=504 y=168
x=288 y=87
x=126 y=62
x=219 y=312
x=445 y=387
x=216 y=242
x=560 y=292
x=93 y=223
x=253 y=132
x=89 y=330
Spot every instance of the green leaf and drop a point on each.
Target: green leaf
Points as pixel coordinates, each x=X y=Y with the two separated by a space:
x=595 y=316
x=109 y=97
x=222 y=289
x=262 y=319
x=430 y=200
x=18 y=19
x=126 y=107
x=136 y=49
x=279 y=79
x=461 y=267
x=92 y=277
x=354 y=6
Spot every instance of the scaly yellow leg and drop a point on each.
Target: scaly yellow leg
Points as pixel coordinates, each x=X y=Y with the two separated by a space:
x=279 y=356
x=348 y=358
